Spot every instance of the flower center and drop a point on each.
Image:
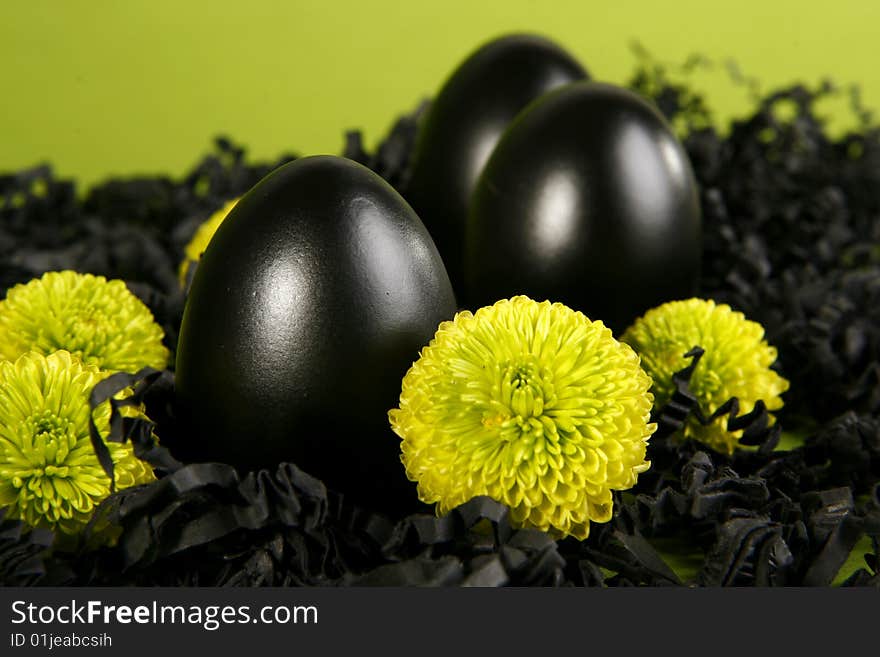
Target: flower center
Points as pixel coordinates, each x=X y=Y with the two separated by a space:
x=526 y=389
x=47 y=439
x=47 y=426
x=89 y=334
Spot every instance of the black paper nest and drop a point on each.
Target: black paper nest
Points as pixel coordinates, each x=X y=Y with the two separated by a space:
x=792 y=239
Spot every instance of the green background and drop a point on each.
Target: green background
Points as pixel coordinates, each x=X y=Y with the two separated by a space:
x=105 y=87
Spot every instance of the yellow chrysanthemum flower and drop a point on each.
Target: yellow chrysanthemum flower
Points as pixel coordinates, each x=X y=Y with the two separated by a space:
x=98 y=321
x=200 y=240
x=736 y=362
x=531 y=404
x=49 y=474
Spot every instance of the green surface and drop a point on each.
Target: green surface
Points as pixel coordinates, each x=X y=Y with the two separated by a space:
x=855 y=561
x=103 y=87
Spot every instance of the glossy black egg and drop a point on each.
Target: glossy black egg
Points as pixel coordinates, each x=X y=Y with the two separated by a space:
x=588 y=199
x=465 y=121
x=312 y=300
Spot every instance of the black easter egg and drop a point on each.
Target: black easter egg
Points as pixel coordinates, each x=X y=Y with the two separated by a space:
x=465 y=121
x=312 y=300
x=588 y=199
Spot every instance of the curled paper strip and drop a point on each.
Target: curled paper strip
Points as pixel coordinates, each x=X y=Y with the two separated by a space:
x=23 y=552
x=137 y=430
x=683 y=405
x=391 y=159
x=284 y=527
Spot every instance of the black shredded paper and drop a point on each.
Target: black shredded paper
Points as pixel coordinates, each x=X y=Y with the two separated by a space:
x=791 y=238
